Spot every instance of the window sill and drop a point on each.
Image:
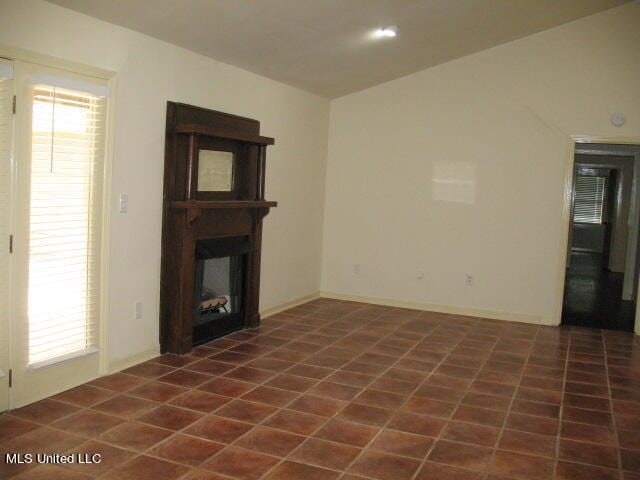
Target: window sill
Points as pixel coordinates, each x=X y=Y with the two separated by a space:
x=62 y=359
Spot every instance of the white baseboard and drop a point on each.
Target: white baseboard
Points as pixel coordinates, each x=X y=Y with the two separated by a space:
x=267 y=312
x=122 y=363
x=430 y=307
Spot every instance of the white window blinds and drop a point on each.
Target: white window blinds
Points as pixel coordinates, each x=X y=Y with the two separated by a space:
x=6 y=123
x=65 y=221
x=589 y=199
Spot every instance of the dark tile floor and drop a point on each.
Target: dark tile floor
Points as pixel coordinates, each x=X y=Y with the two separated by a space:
x=339 y=390
x=593 y=295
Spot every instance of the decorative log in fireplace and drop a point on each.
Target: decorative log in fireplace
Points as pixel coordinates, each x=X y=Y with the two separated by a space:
x=211 y=226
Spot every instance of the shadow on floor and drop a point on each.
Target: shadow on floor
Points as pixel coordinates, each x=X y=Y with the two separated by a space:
x=593 y=295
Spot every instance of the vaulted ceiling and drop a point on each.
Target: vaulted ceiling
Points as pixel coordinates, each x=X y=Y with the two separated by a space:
x=326 y=46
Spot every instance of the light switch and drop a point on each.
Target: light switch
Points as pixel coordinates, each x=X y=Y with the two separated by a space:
x=124 y=203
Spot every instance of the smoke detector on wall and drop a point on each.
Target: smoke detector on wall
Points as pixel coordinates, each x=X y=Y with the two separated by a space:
x=618 y=119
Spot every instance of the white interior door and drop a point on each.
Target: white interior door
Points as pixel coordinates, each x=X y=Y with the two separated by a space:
x=57 y=254
x=6 y=128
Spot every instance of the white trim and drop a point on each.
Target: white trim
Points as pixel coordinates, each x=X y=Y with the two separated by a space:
x=267 y=312
x=69 y=83
x=632 y=237
x=6 y=71
x=15 y=53
x=450 y=309
x=122 y=363
x=62 y=359
x=106 y=227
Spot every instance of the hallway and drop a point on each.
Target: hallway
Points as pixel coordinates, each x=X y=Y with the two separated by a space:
x=593 y=296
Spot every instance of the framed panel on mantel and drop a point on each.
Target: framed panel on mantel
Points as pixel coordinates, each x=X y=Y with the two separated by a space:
x=213 y=208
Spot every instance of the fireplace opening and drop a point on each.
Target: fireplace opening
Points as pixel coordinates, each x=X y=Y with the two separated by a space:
x=219 y=287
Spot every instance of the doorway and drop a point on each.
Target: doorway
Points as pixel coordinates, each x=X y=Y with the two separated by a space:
x=601 y=269
x=52 y=164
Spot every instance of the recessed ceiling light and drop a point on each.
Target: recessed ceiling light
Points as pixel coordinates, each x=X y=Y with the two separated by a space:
x=386 y=32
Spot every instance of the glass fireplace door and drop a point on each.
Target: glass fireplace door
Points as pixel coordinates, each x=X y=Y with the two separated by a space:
x=219 y=290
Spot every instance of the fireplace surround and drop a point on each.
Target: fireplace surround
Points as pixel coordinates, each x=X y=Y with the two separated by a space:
x=213 y=208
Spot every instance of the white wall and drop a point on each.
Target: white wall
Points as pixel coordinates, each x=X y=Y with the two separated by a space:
x=496 y=124
x=150 y=72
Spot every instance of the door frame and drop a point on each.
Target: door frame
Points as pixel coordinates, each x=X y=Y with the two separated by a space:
x=5 y=312
x=567 y=204
x=19 y=55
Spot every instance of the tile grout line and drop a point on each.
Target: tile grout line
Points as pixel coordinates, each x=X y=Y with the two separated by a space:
x=438 y=437
x=365 y=447
x=389 y=333
x=175 y=433
x=380 y=427
x=487 y=469
x=562 y=403
x=212 y=413
x=561 y=412
x=317 y=380
x=159 y=404
x=147 y=380
x=375 y=378
x=457 y=404
x=614 y=420
x=265 y=380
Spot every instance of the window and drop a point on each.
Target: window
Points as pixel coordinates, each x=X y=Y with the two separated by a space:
x=67 y=150
x=589 y=199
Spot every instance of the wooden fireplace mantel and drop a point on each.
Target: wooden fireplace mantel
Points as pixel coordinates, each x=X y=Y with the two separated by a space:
x=191 y=216
x=185 y=205
x=222 y=133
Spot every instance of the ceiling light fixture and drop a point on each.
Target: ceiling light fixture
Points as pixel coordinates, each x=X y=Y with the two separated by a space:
x=387 y=32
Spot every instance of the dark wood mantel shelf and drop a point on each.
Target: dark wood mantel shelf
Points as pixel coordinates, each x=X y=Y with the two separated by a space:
x=220 y=133
x=203 y=205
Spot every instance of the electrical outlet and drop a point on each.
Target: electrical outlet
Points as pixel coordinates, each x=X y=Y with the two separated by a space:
x=469 y=280
x=124 y=203
x=356 y=269
x=137 y=310
x=420 y=276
